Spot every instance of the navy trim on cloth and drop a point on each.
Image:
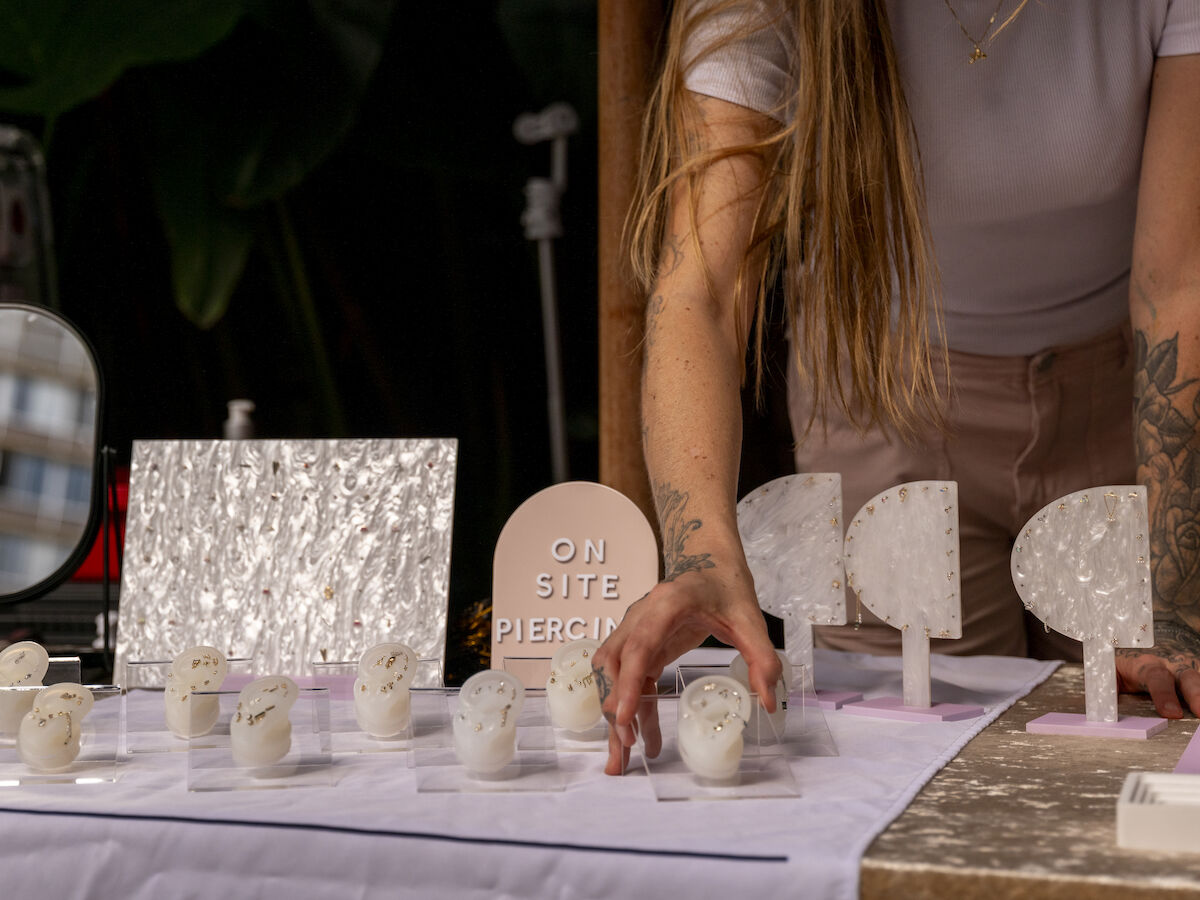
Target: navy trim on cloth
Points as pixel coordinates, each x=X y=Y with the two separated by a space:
x=381 y=832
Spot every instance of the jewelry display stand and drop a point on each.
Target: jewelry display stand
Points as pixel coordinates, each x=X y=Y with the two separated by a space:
x=146 y=724
x=534 y=765
x=805 y=731
x=98 y=745
x=791 y=529
x=533 y=672
x=346 y=735
x=307 y=763
x=762 y=772
x=321 y=548
x=1082 y=566
x=15 y=703
x=901 y=554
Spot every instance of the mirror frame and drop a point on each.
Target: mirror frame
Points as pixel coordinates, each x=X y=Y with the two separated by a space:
x=98 y=496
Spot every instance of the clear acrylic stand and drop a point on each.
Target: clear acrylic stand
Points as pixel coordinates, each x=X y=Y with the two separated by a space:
x=534 y=766
x=763 y=771
x=98 y=744
x=63 y=668
x=308 y=762
x=532 y=671
x=145 y=716
x=14 y=703
x=346 y=734
x=805 y=731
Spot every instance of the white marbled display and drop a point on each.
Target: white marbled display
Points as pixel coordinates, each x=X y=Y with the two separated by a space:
x=901 y=557
x=791 y=530
x=1082 y=566
x=286 y=551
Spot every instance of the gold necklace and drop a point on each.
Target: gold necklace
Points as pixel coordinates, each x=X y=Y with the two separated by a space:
x=977 y=54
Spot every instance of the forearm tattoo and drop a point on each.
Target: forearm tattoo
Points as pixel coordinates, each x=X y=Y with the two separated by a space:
x=652 y=311
x=1166 y=415
x=676 y=529
x=603 y=687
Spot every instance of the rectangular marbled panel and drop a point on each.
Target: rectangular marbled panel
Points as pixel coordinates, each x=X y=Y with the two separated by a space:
x=287 y=550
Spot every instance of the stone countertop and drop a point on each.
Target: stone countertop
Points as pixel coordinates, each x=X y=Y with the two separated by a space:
x=1019 y=815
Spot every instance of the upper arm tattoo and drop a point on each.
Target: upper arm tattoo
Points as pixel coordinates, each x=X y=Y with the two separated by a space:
x=676 y=529
x=1166 y=415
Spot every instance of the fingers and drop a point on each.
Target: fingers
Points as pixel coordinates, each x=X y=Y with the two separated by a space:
x=647 y=719
x=1189 y=688
x=750 y=637
x=1160 y=684
x=618 y=754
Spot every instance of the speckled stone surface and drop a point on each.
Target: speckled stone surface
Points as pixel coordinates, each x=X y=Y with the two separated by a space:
x=1019 y=815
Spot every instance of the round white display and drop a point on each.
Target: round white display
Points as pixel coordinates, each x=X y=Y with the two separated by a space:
x=48 y=738
x=381 y=695
x=571 y=688
x=712 y=713
x=195 y=669
x=260 y=732
x=765 y=727
x=485 y=723
x=23 y=664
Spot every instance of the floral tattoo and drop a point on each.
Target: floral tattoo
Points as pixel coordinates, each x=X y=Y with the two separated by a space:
x=603 y=687
x=1168 y=447
x=676 y=529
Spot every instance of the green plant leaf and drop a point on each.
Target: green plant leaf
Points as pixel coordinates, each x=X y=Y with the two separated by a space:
x=238 y=127
x=209 y=241
x=58 y=53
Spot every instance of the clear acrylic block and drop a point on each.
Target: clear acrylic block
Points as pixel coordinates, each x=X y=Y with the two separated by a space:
x=308 y=762
x=17 y=702
x=763 y=770
x=533 y=671
x=98 y=744
x=145 y=716
x=346 y=734
x=805 y=731
x=534 y=766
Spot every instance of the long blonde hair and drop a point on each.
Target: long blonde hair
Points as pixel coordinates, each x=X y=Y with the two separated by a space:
x=841 y=220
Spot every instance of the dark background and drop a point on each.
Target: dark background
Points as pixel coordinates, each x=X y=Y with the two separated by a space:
x=424 y=288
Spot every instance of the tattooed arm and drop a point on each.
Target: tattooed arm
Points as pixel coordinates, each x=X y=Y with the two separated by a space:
x=1165 y=308
x=691 y=415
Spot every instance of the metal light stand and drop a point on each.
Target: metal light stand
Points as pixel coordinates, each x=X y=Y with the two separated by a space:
x=543 y=224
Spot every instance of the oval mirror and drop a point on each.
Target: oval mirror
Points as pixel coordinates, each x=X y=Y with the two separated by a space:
x=50 y=489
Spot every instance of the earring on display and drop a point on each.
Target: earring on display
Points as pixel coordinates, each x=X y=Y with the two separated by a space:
x=382 y=702
x=260 y=733
x=485 y=723
x=48 y=738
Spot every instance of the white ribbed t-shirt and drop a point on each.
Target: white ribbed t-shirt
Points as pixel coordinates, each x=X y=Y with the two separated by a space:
x=1031 y=156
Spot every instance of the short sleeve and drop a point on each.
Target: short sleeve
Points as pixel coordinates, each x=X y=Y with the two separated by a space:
x=751 y=70
x=1181 y=30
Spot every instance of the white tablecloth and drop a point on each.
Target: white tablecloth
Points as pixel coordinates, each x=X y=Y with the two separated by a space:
x=374 y=835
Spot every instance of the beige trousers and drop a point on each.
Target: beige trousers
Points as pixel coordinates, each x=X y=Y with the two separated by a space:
x=1022 y=431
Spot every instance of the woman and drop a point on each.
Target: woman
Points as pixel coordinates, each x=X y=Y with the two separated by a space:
x=985 y=221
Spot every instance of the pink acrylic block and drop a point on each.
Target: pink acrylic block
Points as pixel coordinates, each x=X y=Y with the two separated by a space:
x=1189 y=763
x=1133 y=727
x=894 y=708
x=837 y=699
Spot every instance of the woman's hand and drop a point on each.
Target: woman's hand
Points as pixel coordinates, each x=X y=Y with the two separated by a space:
x=673 y=618
x=1166 y=671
